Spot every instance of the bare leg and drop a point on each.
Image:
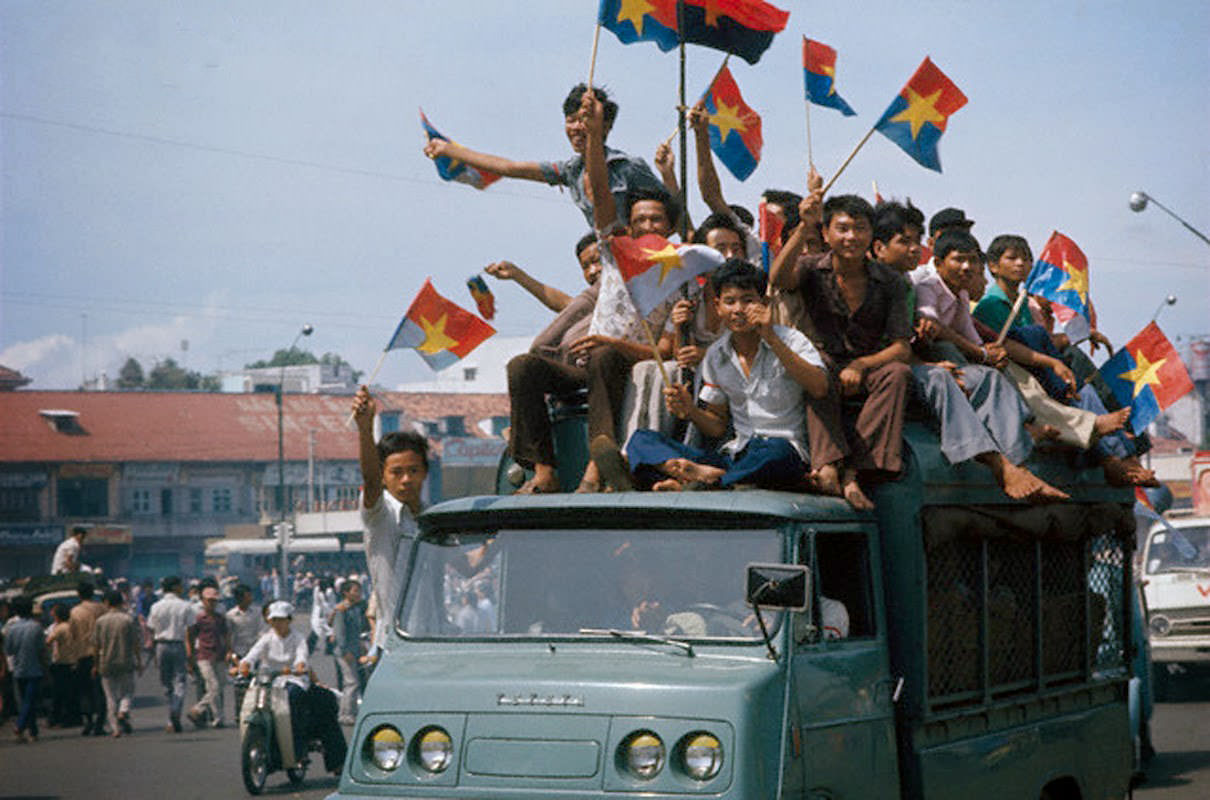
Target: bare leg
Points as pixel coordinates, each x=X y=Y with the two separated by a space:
x=1018 y=482
x=1043 y=432
x=852 y=493
x=688 y=471
x=591 y=482
x=1127 y=472
x=544 y=481
x=1108 y=423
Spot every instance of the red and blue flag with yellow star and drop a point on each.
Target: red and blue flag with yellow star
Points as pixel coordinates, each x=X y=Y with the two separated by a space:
x=819 y=76
x=1147 y=375
x=916 y=118
x=641 y=21
x=770 y=227
x=734 y=127
x=743 y=27
x=452 y=170
x=654 y=268
x=441 y=331
x=1061 y=274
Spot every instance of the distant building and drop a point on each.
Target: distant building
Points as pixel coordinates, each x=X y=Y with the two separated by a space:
x=296 y=379
x=159 y=473
x=10 y=379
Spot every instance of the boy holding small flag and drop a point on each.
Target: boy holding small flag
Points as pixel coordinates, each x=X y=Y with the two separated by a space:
x=624 y=172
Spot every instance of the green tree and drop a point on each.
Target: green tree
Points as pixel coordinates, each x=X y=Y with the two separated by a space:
x=131 y=375
x=286 y=358
x=170 y=375
x=335 y=360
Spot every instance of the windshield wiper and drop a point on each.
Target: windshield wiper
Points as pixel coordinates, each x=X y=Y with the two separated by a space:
x=639 y=636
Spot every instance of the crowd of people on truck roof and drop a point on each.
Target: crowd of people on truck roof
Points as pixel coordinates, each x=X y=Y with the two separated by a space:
x=801 y=376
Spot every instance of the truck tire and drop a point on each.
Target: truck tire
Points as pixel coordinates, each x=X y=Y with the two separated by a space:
x=254 y=760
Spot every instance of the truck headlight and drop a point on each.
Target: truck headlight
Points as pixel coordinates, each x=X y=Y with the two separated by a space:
x=1159 y=624
x=701 y=756
x=384 y=747
x=643 y=754
x=434 y=750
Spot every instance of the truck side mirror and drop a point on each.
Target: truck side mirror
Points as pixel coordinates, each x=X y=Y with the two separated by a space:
x=778 y=586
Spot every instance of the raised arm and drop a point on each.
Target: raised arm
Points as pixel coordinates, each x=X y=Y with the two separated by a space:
x=781 y=271
x=707 y=176
x=526 y=170
x=548 y=296
x=604 y=209
x=364 y=409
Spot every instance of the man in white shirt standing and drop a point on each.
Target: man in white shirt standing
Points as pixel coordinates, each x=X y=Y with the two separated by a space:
x=169 y=621
x=393 y=471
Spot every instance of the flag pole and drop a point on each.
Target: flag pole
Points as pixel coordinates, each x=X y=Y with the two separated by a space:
x=373 y=374
x=680 y=126
x=592 y=62
x=860 y=145
x=1008 y=323
x=655 y=352
x=810 y=153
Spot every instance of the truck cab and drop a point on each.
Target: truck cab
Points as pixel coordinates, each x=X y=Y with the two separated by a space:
x=609 y=645
x=1176 y=584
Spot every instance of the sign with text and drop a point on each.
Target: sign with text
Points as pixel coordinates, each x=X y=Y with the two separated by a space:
x=471 y=452
x=30 y=534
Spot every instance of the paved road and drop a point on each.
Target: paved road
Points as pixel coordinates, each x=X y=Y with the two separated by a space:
x=205 y=764
x=1181 y=733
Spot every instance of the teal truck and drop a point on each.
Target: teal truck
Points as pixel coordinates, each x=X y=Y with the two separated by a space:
x=754 y=644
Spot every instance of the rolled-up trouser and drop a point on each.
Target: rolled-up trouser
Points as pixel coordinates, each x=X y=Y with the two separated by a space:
x=119 y=689
x=173 y=669
x=986 y=414
x=214 y=677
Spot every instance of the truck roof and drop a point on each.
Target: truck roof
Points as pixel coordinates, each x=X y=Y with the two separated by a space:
x=926 y=469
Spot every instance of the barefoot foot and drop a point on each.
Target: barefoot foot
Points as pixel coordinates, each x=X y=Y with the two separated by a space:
x=1108 y=423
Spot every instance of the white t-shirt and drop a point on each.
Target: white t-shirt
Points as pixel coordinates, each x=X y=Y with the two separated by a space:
x=67 y=551
x=390 y=530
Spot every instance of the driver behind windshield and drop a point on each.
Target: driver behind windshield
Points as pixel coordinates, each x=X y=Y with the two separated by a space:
x=312 y=706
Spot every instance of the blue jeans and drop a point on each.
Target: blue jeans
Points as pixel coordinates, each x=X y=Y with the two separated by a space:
x=768 y=463
x=27 y=696
x=173 y=670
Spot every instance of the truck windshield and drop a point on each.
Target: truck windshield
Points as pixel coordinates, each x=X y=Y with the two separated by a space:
x=678 y=583
x=1179 y=549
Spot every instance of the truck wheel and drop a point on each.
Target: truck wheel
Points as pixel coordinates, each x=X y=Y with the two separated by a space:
x=254 y=760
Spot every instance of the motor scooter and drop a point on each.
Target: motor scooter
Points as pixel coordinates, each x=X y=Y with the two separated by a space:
x=266 y=739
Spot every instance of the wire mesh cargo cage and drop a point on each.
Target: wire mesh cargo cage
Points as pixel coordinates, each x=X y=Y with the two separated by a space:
x=1020 y=601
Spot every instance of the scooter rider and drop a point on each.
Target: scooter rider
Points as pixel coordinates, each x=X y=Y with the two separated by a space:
x=311 y=713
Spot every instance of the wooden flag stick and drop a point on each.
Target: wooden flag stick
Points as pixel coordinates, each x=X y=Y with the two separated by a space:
x=836 y=175
x=655 y=353
x=1008 y=323
x=592 y=63
x=685 y=110
x=810 y=153
x=373 y=374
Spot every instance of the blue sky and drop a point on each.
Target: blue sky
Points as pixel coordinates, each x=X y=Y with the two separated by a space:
x=224 y=173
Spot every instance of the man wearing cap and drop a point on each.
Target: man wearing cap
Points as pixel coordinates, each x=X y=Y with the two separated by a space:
x=210 y=643
x=284 y=651
x=169 y=621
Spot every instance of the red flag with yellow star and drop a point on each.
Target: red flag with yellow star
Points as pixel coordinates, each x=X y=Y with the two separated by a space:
x=1147 y=375
x=654 y=267
x=734 y=127
x=917 y=117
x=1061 y=274
x=439 y=330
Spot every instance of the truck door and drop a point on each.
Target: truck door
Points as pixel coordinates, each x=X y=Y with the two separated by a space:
x=842 y=731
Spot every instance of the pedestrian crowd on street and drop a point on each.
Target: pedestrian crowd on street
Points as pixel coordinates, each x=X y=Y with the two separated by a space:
x=72 y=663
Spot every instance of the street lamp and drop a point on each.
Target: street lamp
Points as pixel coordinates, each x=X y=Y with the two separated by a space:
x=1139 y=201
x=281 y=462
x=1170 y=300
